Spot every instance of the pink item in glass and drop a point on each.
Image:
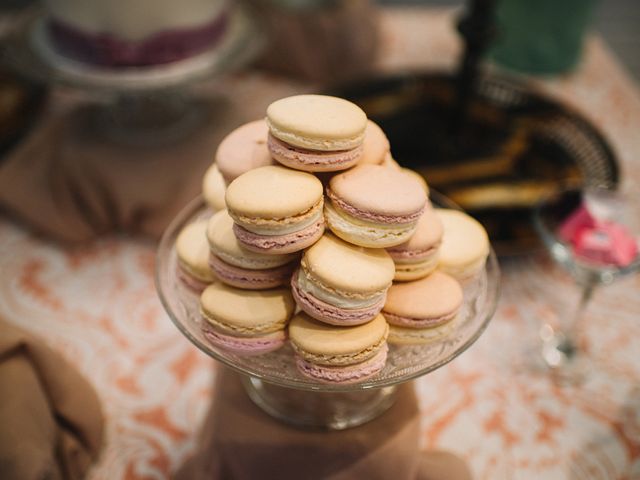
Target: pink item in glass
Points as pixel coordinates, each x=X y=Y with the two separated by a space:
x=607 y=243
x=575 y=223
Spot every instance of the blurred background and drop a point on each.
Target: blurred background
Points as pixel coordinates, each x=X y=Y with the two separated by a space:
x=615 y=20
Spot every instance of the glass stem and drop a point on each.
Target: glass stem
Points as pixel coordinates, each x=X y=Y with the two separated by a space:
x=572 y=327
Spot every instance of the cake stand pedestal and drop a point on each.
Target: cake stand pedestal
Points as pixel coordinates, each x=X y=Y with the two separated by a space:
x=239 y=441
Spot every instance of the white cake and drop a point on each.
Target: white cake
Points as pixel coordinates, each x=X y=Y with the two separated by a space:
x=135 y=32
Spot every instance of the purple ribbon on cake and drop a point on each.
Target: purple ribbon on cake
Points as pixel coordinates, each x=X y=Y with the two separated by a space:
x=106 y=49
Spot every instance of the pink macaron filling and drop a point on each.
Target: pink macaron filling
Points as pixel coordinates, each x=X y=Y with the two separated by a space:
x=251 y=279
x=409 y=322
x=344 y=374
x=412 y=255
x=315 y=160
x=244 y=345
x=340 y=204
x=331 y=314
x=288 y=243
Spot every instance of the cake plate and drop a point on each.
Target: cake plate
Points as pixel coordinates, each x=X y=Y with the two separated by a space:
x=272 y=380
x=143 y=105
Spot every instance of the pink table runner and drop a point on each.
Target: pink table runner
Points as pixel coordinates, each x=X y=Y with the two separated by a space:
x=98 y=307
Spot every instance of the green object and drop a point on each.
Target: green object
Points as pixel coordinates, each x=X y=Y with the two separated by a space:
x=540 y=36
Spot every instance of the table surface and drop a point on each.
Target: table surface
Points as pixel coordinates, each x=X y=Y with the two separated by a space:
x=97 y=305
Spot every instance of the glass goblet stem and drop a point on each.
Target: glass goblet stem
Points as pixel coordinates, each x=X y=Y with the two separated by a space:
x=568 y=344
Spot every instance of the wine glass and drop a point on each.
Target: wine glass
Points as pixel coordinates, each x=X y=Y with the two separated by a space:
x=559 y=220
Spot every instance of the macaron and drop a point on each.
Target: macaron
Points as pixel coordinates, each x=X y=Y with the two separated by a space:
x=276 y=210
x=340 y=283
x=244 y=149
x=343 y=355
x=214 y=188
x=465 y=244
x=236 y=266
x=418 y=257
x=192 y=250
x=316 y=133
x=245 y=322
x=420 y=311
x=375 y=147
x=374 y=206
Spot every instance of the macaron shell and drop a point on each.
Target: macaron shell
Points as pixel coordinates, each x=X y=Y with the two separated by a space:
x=319 y=338
x=244 y=149
x=464 y=242
x=379 y=190
x=428 y=234
x=243 y=345
x=224 y=243
x=193 y=251
x=375 y=146
x=247 y=311
x=420 y=336
x=317 y=122
x=406 y=272
x=273 y=192
x=347 y=267
x=431 y=297
x=214 y=188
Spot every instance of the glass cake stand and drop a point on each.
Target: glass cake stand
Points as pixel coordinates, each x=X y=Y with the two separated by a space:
x=272 y=380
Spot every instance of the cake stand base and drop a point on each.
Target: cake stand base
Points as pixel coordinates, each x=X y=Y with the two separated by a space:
x=238 y=440
x=317 y=409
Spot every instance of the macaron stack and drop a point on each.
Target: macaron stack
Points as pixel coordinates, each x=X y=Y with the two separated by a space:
x=317 y=219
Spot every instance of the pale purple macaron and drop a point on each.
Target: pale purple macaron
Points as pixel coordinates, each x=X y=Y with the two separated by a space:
x=245 y=322
x=331 y=354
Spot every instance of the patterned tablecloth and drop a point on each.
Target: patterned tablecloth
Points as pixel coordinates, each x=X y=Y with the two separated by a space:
x=98 y=306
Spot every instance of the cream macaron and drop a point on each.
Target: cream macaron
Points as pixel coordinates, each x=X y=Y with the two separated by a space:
x=342 y=355
x=235 y=265
x=276 y=210
x=374 y=206
x=423 y=310
x=340 y=283
x=316 y=133
x=214 y=188
x=192 y=251
x=245 y=322
x=465 y=244
x=244 y=149
x=418 y=257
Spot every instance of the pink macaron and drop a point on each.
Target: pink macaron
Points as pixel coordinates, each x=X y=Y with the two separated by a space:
x=374 y=206
x=236 y=266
